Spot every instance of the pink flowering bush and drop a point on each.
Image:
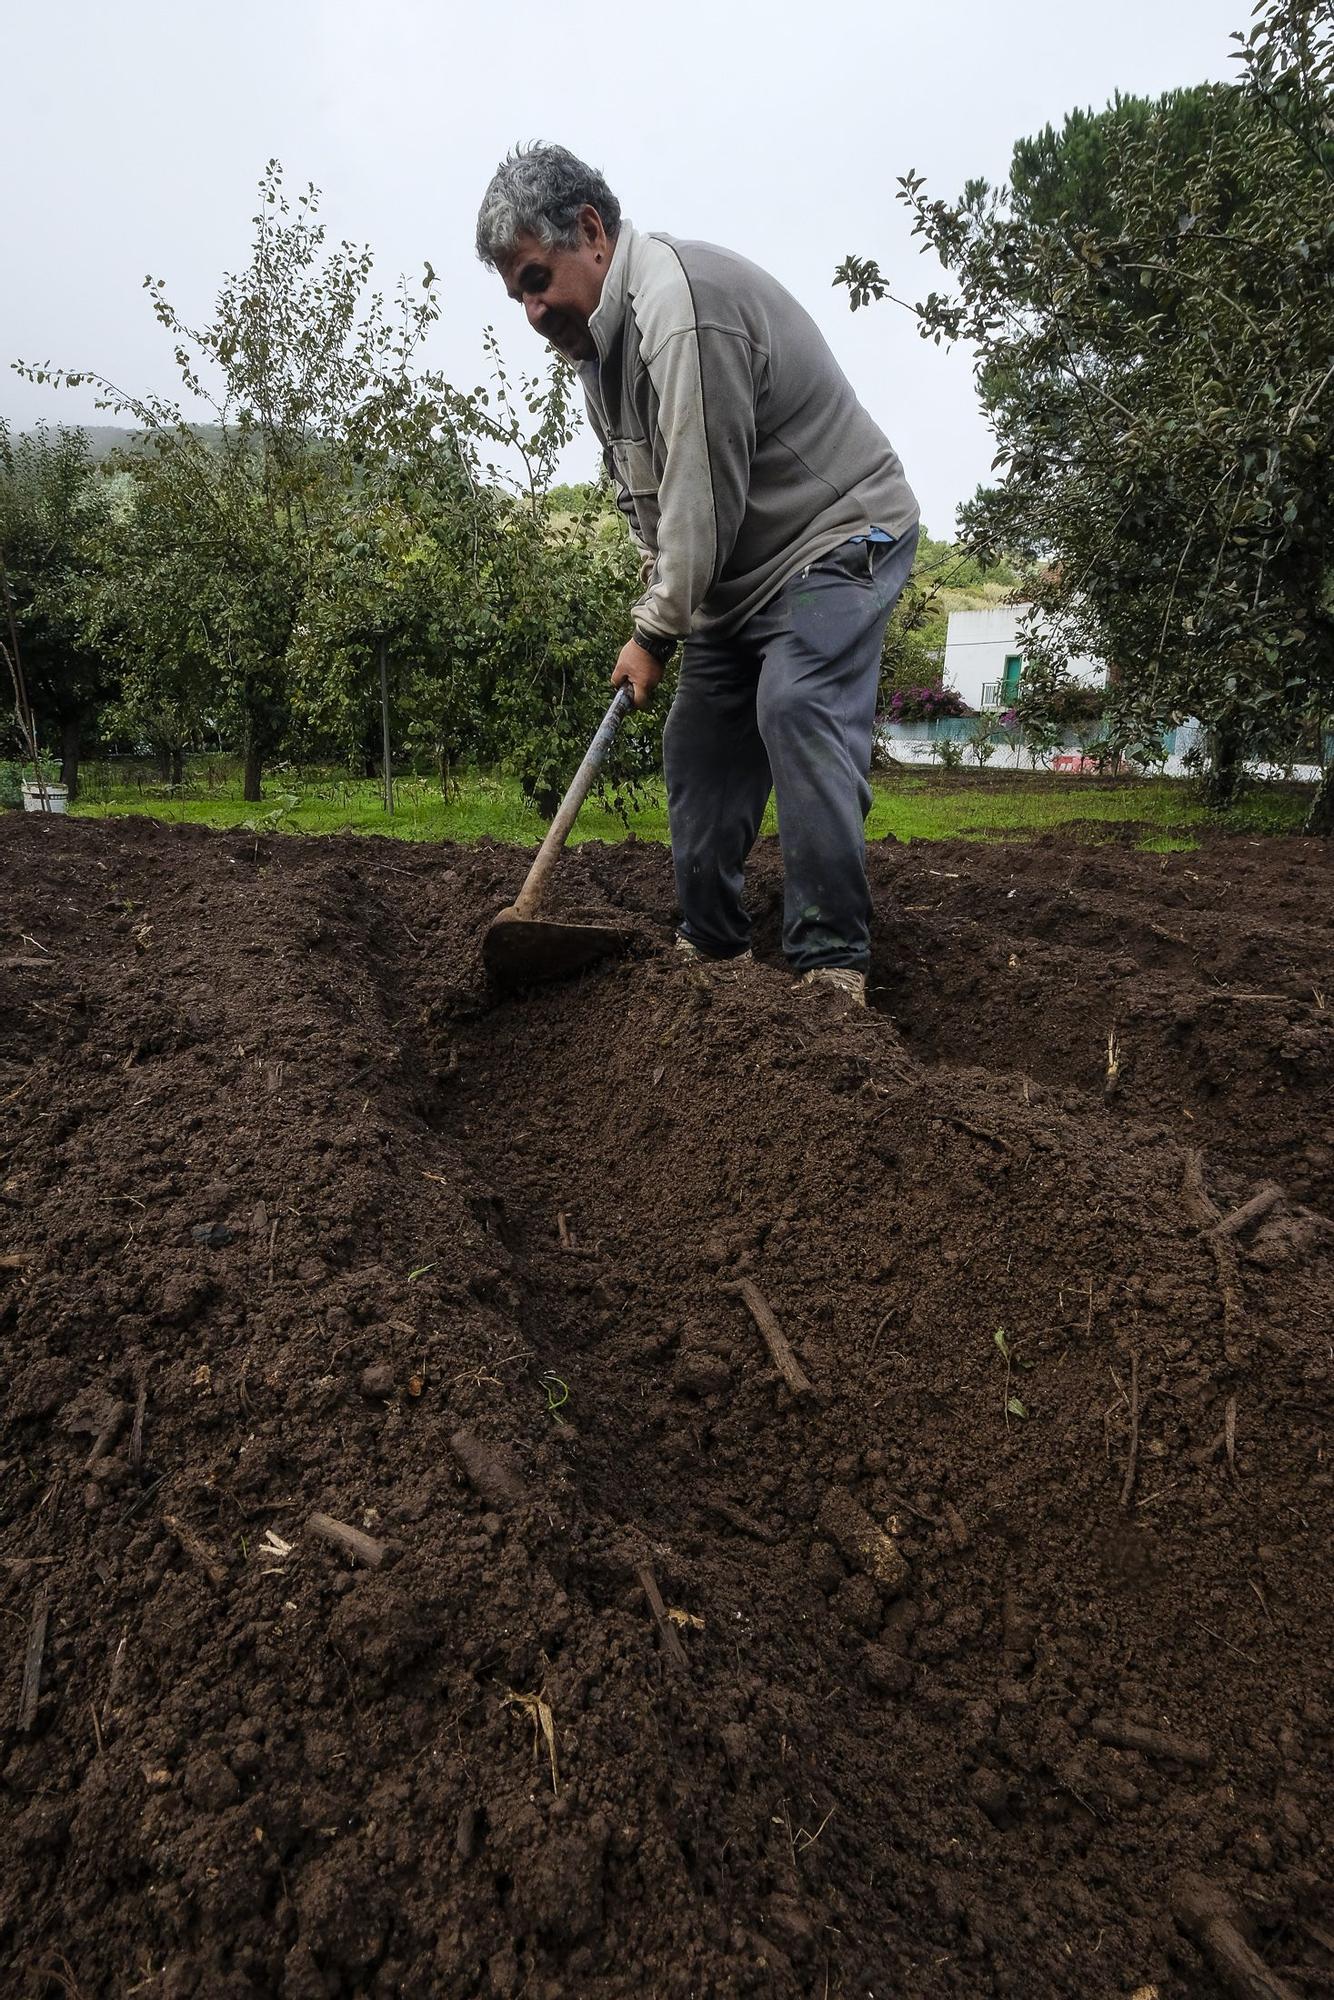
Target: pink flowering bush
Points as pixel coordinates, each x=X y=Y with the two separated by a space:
x=923 y=704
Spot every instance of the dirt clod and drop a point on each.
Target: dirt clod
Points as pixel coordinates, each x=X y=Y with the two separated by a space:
x=860 y=1542
x=377 y=1381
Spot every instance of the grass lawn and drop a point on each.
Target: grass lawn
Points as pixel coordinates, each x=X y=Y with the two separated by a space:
x=911 y=805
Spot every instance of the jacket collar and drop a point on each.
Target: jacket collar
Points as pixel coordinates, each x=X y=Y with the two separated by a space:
x=606 y=321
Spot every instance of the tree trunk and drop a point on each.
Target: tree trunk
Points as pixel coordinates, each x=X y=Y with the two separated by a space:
x=252 y=765
x=69 y=755
x=177 y=765
x=1222 y=780
x=384 y=727
x=1320 y=818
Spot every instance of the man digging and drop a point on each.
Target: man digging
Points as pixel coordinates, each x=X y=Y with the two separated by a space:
x=776 y=530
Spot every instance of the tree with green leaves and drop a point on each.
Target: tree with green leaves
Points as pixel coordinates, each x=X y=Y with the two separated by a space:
x=1158 y=366
x=149 y=611
x=1068 y=178
x=387 y=580
x=554 y=589
x=297 y=374
x=53 y=506
x=498 y=609
x=318 y=498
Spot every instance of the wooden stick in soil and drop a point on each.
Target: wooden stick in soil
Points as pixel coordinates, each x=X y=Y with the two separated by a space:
x=362 y=1548
x=1194 y=1199
x=1208 y=1452
x=1250 y=1211
x=1128 y=1486
x=1150 y=1742
x=567 y=1242
x=784 y=1360
x=1204 y=1912
x=736 y=1517
x=137 y=1428
x=113 y=1682
x=32 y=1662
x=198 y=1551
x=1249 y=1658
x=667 y=1633
x=1229 y=1282
x=977 y=1132
x=1204 y=1214
x=106 y=1437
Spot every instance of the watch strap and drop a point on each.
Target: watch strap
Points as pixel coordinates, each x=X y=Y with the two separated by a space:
x=653 y=643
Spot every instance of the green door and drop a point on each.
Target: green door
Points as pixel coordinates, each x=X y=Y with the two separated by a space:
x=1014 y=666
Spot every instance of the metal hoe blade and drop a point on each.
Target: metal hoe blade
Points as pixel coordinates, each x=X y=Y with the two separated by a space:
x=521 y=950
x=522 y=945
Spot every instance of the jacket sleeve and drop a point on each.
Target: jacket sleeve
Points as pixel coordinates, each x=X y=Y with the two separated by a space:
x=704 y=382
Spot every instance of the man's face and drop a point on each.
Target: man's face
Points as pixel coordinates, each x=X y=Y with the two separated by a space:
x=559 y=289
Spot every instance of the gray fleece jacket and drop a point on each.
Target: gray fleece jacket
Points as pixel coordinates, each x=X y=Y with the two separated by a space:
x=734 y=442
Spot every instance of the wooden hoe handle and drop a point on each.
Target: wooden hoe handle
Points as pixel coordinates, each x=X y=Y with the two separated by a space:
x=535 y=882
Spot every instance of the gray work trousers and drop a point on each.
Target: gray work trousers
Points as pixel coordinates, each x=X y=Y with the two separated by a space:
x=787 y=702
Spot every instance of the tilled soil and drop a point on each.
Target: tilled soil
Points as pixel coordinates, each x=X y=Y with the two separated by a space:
x=940 y=1668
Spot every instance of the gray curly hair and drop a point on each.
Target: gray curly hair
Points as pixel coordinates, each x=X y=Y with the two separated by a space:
x=538 y=191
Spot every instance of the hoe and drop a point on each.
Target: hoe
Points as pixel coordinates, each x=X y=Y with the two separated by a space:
x=522 y=945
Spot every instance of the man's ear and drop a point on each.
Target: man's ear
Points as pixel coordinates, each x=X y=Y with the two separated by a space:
x=591 y=229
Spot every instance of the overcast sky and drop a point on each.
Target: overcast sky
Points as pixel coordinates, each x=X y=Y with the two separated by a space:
x=134 y=134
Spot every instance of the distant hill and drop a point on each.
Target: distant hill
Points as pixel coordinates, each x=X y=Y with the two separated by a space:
x=106 y=439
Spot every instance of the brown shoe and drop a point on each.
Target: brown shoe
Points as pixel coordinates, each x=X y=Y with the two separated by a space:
x=688 y=949
x=839 y=978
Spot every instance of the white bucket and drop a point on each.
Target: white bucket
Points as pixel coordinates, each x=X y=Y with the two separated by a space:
x=44 y=798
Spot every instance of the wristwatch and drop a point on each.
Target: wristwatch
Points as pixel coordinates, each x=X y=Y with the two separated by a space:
x=654 y=644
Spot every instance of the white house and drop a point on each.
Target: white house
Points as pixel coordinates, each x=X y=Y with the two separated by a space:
x=984 y=657
x=984 y=663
